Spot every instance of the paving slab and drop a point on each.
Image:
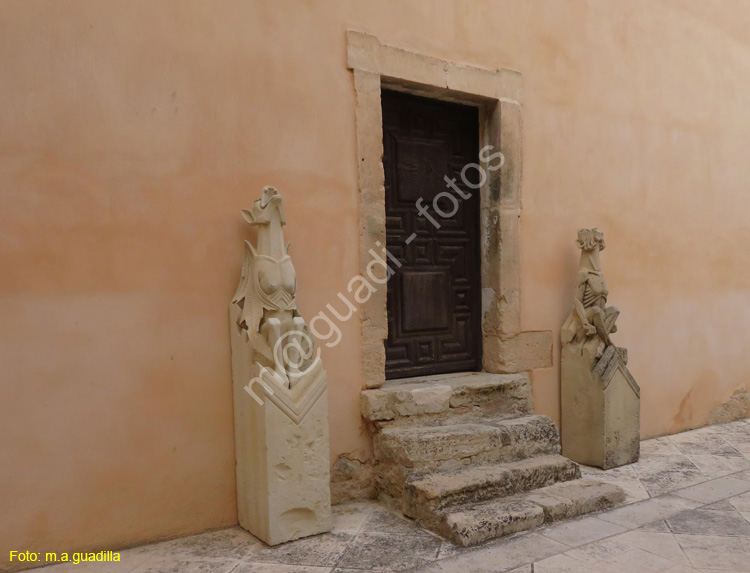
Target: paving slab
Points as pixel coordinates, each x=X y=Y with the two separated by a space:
x=648 y=511
x=701 y=522
x=581 y=531
x=715 y=490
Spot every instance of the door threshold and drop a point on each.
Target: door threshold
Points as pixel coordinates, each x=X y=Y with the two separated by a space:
x=434 y=377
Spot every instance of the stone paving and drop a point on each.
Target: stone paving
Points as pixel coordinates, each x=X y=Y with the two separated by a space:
x=688 y=509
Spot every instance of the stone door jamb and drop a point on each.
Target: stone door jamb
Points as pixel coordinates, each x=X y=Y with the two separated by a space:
x=498 y=95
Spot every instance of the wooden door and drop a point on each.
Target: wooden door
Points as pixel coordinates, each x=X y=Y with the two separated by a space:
x=434 y=306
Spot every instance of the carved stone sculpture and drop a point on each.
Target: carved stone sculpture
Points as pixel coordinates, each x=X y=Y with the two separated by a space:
x=600 y=399
x=280 y=396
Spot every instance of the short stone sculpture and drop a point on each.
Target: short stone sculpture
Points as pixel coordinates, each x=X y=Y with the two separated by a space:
x=280 y=392
x=600 y=399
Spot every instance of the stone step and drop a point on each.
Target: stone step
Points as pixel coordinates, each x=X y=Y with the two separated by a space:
x=451 y=396
x=476 y=523
x=425 y=496
x=421 y=448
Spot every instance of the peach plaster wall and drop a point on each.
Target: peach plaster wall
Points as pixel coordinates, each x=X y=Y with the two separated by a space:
x=132 y=132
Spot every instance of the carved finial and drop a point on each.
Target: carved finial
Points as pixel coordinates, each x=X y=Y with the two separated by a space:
x=592 y=321
x=266 y=294
x=588 y=239
x=261 y=213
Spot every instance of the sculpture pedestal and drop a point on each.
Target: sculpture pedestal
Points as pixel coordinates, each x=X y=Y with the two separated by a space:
x=281 y=447
x=601 y=421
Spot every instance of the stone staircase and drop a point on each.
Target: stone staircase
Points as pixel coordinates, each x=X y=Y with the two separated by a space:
x=465 y=456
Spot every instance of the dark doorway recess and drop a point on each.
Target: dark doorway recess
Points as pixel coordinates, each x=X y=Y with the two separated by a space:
x=434 y=297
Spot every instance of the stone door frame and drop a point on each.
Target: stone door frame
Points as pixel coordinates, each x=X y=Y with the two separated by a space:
x=499 y=96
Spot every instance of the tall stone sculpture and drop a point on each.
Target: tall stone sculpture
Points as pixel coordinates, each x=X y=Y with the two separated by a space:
x=280 y=395
x=600 y=399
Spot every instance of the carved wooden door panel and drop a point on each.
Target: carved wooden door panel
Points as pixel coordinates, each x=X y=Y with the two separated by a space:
x=434 y=322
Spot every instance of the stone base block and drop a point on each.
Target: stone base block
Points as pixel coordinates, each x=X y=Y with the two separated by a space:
x=281 y=448
x=283 y=480
x=600 y=423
